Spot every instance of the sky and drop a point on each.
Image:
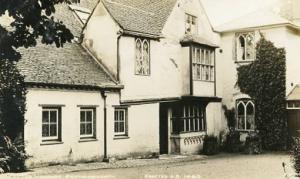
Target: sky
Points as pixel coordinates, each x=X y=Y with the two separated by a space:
x=222 y=11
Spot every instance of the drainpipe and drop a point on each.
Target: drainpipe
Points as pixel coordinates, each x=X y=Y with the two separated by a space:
x=104 y=95
x=119 y=33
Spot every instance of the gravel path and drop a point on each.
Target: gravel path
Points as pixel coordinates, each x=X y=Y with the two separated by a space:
x=222 y=166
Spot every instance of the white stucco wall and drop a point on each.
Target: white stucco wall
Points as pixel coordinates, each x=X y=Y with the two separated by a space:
x=100 y=37
x=70 y=149
x=143 y=132
x=228 y=66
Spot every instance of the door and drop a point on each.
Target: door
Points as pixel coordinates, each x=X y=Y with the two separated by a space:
x=294 y=122
x=163 y=129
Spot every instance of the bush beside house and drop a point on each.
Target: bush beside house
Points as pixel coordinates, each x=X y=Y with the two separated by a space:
x=264 y=81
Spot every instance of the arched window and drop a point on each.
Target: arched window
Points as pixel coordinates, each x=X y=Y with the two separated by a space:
x=245 y=114
x=245 y=47
x=142 y=58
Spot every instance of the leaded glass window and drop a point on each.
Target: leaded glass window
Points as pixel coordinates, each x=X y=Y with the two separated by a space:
x=245 y=46
x=203 y=64
x=245 y=115
x=142 y=57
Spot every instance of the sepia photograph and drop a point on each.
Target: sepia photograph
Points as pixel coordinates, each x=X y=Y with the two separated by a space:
x=149 y=89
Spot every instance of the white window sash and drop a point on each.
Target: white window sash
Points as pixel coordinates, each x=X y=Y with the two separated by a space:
x=49 y=124
x=85 y=122
x=118 y=122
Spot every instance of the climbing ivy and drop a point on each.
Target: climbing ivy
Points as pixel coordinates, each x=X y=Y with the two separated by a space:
x=264 y=81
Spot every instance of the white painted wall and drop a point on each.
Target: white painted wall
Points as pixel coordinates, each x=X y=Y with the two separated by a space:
x=228 y=66
x=143 y=132
x=100 y=37
x=70 y=149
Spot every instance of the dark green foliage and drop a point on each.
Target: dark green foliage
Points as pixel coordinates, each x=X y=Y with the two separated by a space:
x=296 y=155
x=210 y=145
x=12 y=155
x=12 y=100
x=230 y=116
x=233 y=143
x=31 y=20
x=264 y=81
x=253 y=143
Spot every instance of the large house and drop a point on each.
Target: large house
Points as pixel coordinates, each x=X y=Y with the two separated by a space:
x=143 y=78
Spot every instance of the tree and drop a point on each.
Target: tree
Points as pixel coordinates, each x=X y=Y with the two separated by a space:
x=264 y=81
x=32 y=20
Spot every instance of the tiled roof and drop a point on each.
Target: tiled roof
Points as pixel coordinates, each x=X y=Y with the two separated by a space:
x=143 y=16
x=197 y=40
x=70 y=65
x=259 y=18
x=65 y=14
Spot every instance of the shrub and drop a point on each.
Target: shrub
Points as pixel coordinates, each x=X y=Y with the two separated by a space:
x=12 y=155
x=253 y=143
x=233 y=143
x=210 y=145
x=296 y=155
x=264 y=81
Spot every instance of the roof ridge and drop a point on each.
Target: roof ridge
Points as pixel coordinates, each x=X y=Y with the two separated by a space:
x=113 y=2
x=247 y=14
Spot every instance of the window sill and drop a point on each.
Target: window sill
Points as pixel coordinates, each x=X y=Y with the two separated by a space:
x=87 y=140
x=121 y=137
x=245 y=131
x=208 y=81
x=55 y=142
x=245 y=61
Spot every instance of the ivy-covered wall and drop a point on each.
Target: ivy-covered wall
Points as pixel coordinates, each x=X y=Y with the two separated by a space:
x=264 y=81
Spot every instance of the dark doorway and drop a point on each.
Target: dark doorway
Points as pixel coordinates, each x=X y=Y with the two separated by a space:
x=294 y=122
x=163 y=128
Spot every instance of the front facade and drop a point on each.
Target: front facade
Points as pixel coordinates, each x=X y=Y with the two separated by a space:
x=143 y=79
x=168 y=69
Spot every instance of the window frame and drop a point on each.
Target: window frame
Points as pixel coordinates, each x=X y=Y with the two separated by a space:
x=142 y=41
x=88 y=109
x=245 y=102
x=190 y=24
x=125 y=121
x=57 y=137
x=203 y=64
x=237 y=45
x=190 y=118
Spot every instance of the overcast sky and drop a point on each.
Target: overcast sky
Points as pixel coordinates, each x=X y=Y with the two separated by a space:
x=221 y=11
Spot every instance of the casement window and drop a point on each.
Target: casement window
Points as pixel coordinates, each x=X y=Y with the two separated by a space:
x=51 y=123
x=190 y=24
x=245 y=114
x=245 y=47
x=120 y=122
x=87 y=122
x=188 y=118
x=203 y=60
x=142 y=57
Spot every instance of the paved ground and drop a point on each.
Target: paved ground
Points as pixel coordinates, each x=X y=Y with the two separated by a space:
x=222 y=166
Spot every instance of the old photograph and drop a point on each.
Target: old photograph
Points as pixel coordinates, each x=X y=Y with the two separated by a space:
x=150 y=89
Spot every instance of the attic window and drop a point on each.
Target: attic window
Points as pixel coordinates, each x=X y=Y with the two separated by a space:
x=81 y=13
x=190 y=24
x=245 y=47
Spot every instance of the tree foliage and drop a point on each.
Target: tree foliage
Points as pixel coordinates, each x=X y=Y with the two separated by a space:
x=32 y=20
x=264 y=81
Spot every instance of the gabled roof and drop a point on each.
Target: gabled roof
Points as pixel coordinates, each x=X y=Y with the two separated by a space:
x=140 y=16
x=71 y=65
x=259 y=18
x=294 y=94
